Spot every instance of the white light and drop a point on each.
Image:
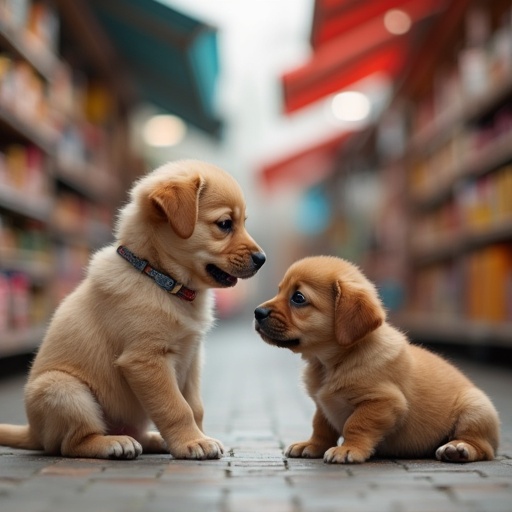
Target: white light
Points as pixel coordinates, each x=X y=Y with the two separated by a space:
x=351 y=106
x=164 y=130
x=397 y=22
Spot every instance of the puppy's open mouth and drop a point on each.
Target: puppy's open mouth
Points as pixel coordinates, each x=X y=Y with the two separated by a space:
x=281 y=343
x=221 y=277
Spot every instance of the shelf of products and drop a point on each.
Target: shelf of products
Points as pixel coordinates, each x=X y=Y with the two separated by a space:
x=37 y=43
x=468 y=155
x=455 y=331
x=63 y=156
x=478 y=212
x=422 y=200
x=459 y=164
x=15 y=200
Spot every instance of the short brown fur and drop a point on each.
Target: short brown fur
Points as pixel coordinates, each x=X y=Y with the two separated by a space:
x=382 y=395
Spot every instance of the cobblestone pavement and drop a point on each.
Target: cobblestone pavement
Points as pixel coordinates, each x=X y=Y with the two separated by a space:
x=255 y=405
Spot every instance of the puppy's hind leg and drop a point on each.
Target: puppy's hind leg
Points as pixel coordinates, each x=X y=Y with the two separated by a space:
x=476 y=434
x=69 y=420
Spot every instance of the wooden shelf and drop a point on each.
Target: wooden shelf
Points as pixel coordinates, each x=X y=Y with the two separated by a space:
x=436 y=328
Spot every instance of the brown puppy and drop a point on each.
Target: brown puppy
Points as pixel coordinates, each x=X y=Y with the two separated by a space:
x=125 y=347
x=384 y=396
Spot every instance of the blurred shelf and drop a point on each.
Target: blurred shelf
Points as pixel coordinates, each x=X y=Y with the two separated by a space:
x=494 y=233
x=469 y=110
x=83 y=98
x=22 y=341
x=16 y=125
x=92 y=236
x=458 y=232
x=28 y=262
x=17 y=202
x=436 y=328
x=478 y=107
x=476 y=164
x=81 y=178
x=455 y=245
x=434 y=253
x=41 y=59
x=436 y=132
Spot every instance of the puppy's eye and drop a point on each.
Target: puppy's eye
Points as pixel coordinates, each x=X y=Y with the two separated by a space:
x=225 y=225
x=298 y=299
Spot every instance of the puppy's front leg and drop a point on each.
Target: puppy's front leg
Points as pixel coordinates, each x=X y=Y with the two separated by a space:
x=370 y=422
x=192 y=390
x=323 y=437
x=155 y=385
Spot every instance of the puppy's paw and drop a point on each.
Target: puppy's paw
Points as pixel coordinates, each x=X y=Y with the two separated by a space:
x=97 y=446
x=199 y=449
x=122 y=447
x=456 y=451
x=345 y=455
x=305 y=449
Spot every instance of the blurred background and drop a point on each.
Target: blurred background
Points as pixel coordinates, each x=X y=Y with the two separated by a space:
x=375 y=130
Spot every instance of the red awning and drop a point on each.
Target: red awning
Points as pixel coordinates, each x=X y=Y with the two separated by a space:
x=305 y=167
x=350 y=43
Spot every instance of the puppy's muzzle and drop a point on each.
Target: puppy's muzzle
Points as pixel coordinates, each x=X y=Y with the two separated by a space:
x=271 y=330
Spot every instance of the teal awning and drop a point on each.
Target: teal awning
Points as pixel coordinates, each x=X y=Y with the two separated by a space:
x=171 y=57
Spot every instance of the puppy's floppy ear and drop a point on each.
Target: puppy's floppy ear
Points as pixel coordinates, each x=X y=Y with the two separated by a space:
x=178 y=203
x=356 y=313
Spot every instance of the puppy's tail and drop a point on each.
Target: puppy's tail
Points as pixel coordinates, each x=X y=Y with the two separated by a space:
x=19 y=436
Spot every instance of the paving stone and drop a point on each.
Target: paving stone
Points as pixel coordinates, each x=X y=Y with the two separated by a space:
x=255 y=404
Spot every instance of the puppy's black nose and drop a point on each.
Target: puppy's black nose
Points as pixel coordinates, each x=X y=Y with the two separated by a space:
x=261 y=313
x=258 y=258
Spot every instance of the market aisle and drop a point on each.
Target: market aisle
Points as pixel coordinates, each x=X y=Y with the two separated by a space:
x=255 y=405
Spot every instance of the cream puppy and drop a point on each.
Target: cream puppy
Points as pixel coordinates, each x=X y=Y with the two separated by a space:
x=124 y=348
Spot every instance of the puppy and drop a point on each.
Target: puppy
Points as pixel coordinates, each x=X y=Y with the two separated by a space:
x=124 y=348
x=384 y=396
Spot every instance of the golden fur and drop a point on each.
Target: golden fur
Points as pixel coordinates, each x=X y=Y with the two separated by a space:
x=382 y=395
x=120 y=351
